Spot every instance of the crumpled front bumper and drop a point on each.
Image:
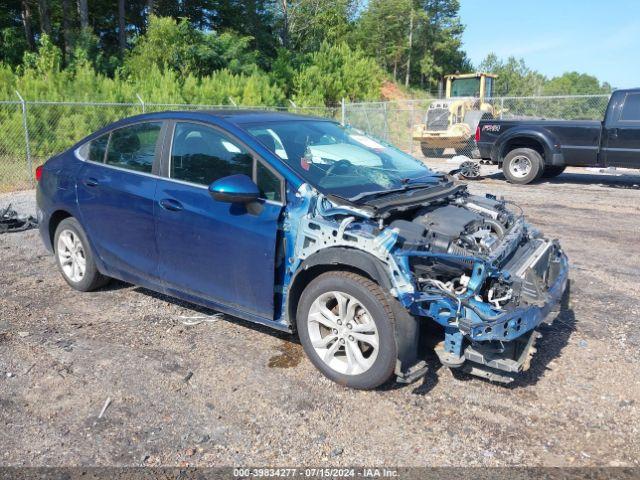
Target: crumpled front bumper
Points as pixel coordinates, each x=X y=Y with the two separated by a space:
x=545 y=292
x=497 y=345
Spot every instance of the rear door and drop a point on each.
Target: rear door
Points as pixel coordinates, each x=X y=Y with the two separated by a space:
x=116 y=188
x=621 y=134
x=214 y=250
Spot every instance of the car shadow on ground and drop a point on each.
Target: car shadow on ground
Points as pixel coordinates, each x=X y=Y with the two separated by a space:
x=115 y=285
x=555 y=336
x=629 y=182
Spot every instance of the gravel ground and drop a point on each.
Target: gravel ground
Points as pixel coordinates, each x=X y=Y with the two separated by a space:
x=229 y=392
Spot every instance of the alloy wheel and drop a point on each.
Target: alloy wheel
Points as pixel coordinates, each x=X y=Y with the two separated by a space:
x=71 y=255
x=343 y=333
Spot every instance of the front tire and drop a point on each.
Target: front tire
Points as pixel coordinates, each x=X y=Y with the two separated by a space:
x=75 y=258
x=522 y=166
x=346 y=327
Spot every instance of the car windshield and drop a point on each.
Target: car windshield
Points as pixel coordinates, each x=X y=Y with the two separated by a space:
x=341 y=160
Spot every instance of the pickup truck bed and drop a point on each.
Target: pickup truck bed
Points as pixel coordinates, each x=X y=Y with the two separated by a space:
x=529 y=149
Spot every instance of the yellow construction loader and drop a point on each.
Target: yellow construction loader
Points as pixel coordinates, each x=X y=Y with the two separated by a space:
x=451 y=122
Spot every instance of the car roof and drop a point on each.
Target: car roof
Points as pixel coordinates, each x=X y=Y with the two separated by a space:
x=254 y=116
x=237 y=117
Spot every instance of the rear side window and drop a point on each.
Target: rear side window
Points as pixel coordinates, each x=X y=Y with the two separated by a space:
x=631 y=108
x=134 y=147
x=202 y=155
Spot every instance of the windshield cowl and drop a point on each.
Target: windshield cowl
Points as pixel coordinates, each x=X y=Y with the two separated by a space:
x=408 y=187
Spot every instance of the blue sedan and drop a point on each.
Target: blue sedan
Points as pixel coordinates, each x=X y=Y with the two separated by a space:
x=307 y=226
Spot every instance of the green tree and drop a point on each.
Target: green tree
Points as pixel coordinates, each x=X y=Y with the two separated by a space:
x=335 y=72
x=439 y=42
x=420 y=40
x=514 y=77
x=383 y=32
x=574 y=83
x=176 y=45
x=304 y=24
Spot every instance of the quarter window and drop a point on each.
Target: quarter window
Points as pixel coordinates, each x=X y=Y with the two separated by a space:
x=134 y=147
x=631 y=108
x=97 y=148
x=202 y=155
x=269 y=185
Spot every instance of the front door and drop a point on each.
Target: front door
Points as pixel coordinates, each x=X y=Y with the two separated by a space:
x=116 y=189
x=621 y=142
x=209 y=249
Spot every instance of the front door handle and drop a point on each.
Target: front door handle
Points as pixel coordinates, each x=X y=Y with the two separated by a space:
x=170 y=204
x=91 y=182
x=613 y=133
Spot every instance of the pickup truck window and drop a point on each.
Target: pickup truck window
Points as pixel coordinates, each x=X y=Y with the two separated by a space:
x=631 y=108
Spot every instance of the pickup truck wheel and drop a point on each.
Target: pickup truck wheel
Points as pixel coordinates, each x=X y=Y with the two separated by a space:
x=522 y=166
x=346 y=327
x=432 y=152
x=551 y=171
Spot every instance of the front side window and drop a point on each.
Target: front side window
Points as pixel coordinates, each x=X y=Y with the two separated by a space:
x=201 y=155
x=631 y=108
x=134 y=147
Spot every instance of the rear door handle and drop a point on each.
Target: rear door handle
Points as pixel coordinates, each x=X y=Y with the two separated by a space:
x=170 y=204
x=91 y=182
x=613 y=133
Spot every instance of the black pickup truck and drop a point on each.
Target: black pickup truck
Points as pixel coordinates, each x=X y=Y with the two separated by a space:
x=527 y=150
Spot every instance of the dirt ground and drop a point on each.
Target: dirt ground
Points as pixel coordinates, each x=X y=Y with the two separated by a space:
x=227 y=392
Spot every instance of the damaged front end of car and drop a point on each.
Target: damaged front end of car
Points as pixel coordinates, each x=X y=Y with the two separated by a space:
x=469 y=263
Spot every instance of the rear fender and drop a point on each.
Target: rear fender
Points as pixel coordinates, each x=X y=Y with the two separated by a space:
x=543 y=138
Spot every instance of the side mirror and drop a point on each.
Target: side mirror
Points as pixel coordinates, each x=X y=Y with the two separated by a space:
x=234 y=189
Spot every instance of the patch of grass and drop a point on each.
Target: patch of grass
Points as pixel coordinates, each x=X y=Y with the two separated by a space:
x=14 y=173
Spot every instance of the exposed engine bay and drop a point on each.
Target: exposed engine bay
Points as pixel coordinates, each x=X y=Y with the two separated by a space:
x=470 y=227
x=469 y=263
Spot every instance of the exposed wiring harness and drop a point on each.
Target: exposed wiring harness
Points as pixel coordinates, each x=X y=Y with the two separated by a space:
x=457 y=286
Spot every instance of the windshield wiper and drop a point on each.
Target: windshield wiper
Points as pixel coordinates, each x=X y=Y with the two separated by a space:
x=411 y=186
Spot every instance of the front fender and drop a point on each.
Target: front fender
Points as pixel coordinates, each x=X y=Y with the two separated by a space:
x=350 y=257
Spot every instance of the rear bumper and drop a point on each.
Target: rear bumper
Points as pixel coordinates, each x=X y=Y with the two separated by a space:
x=485 y=150
x=43 y=220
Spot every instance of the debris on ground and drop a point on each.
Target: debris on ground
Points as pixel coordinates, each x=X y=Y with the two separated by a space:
x=11 y=221
x=192 y=321
x=107 y=402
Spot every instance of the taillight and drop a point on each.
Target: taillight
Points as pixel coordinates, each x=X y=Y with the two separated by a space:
x=477 y=134
x=38 y=173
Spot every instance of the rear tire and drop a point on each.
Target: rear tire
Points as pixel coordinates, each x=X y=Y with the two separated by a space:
x=522 y=166
x=347 y=328
x=551 y=171
x=432 y=152
x=75 y=258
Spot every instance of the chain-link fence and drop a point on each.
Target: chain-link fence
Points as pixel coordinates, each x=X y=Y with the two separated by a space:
x=446 y=127
x=33 y=131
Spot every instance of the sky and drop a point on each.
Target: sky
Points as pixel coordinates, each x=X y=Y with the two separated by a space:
x=601 y=38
